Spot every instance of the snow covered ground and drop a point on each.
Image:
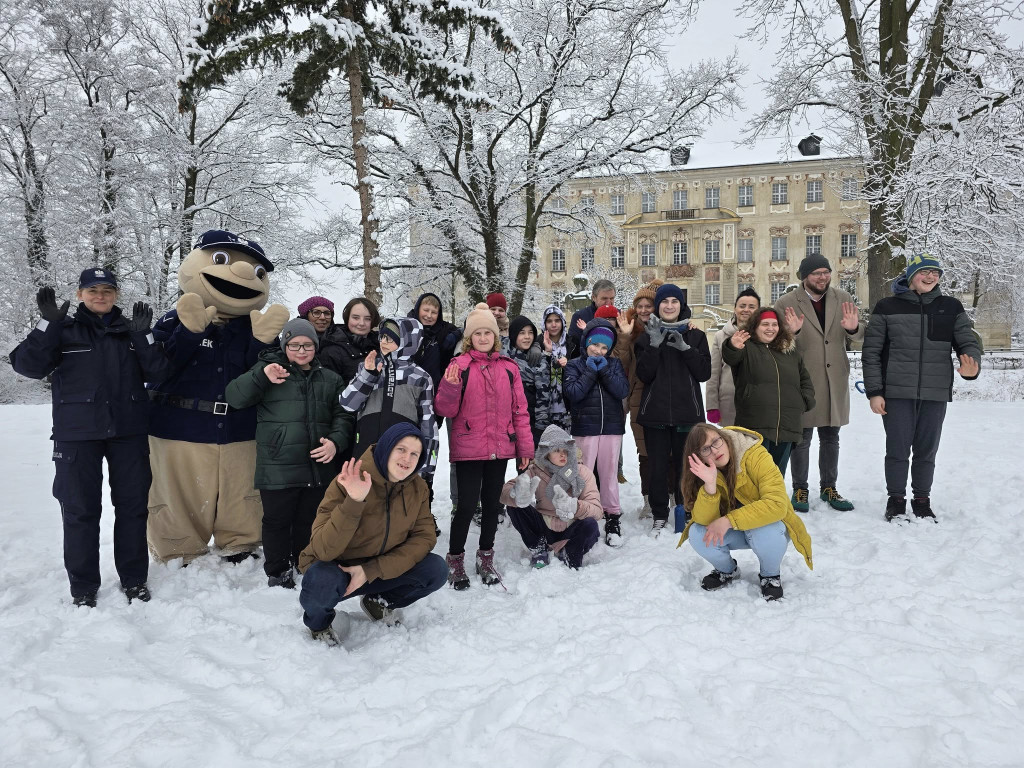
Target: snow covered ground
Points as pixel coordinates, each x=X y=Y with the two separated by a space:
x=902 y=648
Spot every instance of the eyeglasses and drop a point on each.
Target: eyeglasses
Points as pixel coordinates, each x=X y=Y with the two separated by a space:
x=932 y=272
x=321 y=313
x=820 y=273
x=300 y=347
x=715 y=445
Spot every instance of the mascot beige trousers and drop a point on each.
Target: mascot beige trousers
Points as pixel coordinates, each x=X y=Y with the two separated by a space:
x=201 y=490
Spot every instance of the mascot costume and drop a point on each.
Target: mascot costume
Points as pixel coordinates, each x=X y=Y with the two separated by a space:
x=202 y=450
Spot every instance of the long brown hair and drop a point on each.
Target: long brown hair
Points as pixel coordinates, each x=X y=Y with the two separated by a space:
x=691 y=484
x=782 y=342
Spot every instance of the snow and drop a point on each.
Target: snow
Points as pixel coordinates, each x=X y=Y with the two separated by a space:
x=902 y=648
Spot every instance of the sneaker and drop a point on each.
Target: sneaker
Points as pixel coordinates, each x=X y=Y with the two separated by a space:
x=240 y=557
x=327 y=636
x=485 y=567
x=716 y=579
x=799 y=500
x=921 y=506
x=457 y=571
x=645 y=510
x=613 y=531
x=831 y=495
x=895 y=508
x=139 y=592
x=771 y=587
x=540 y=555
x=658 y=526
x=284 y=579
x=377 y=608
x=88 y=600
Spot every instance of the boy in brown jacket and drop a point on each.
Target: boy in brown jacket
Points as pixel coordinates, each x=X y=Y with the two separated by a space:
x=372 y=537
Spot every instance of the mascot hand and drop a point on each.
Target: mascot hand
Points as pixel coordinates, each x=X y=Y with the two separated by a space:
x=266 y=326
x=193 y=314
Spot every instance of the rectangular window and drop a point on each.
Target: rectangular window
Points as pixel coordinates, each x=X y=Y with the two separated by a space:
x=780 y=193
x=587 y=259
x=848 y=246
x=712 y=294
x=679 y=253
x=558 y=260
x=647 y=202
x=815 y=191
x=849 y=285
x=557 y=204
x=679 y=200
x=746 y=249
x=741 y=287
x=850 y=189
x=712 y=251
x=618 y=204
x=746 y=194
x=618 y=257
x=778 y=288
x=647 y=255
x=779 y=248
x=813 y=244
x=711 y=197
x=587 y=203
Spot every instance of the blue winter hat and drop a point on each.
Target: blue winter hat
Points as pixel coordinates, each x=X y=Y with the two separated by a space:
x=601 y=335
x=923 y=261
x=666 y=291
x=386 y=444
x=96 y=276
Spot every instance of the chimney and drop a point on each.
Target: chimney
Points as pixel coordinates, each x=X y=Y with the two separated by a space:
x=679 y=155
x=810 y=146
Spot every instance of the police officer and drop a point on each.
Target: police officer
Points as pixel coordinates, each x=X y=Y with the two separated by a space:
x=99 y=360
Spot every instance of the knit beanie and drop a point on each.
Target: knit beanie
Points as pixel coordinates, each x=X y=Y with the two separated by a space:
x=924 y=261
x=600 y=335
x=497 y=299
x=299 y=327
x=648 y=291
x=481 y=318
x=386 y=444
x=607 y=312
x=389 y=330
x=811 y=263
x=315 y=301
x=666 y=291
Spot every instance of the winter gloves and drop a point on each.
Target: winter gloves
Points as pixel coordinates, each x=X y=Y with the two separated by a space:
x=524 y=492
x=266 y=326
x=655 y=331
x=142 y=318
x=46 y=300
x=565 y=505
x=715 y=416
x=596 y=363
x=674 y=339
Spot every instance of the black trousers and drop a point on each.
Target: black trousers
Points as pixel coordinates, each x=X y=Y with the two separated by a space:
x=288 y=515
x=477 y=480
x=78 y=486
x=664 y=465
x=911 y=426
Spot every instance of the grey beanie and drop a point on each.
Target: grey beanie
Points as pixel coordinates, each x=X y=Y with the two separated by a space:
x=811 y=263
x=299 y=327
x=554 y=438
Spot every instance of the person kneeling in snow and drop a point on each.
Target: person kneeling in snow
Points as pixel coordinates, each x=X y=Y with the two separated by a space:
x=555 y=503
x=372 y=537
x=739 y=501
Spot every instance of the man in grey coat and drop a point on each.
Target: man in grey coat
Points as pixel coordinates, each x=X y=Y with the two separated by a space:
x=823 y=319
x=908 y=377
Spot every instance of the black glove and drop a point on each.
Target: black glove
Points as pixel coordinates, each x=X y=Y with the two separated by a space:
x=46 y=299
x=534 y=355
x=655 y=330
x=142 y=318
x=675 y=339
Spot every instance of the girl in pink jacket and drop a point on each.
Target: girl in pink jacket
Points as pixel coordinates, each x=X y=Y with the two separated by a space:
x=482 y=393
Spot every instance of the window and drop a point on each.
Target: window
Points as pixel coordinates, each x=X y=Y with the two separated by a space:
x=618 y=204
x=587 y=259
x=746 y=194
x=647 y=202
x=558 y=260
x=746 y=249
x=850 y=189
x=813 y=244
x=778 y=288
x=741 y=287
x=679 y=200
x=815 y=192
x=849 y=285
x=712 y=251
x=557 y=204
x=618 y=256
x=779 y=248
x=647 y=255
x=848 y=246
x=711 y=197
x=679 y=253
x=712 y=293
x=587 y=203
x=780 y=193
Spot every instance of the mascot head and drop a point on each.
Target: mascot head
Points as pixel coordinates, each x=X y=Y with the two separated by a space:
x=228 y=272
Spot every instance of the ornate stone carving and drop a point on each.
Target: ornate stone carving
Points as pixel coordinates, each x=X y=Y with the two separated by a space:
x=814 y=229
x=779 y=231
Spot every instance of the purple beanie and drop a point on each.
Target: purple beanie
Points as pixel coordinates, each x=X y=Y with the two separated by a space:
x=315 y=301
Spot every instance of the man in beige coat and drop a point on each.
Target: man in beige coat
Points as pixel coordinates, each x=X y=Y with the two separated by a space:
x=823 y=319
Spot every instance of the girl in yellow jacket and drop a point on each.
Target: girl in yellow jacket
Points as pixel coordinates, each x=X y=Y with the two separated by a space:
x=738 y=500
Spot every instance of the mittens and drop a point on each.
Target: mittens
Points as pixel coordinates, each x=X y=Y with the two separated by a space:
x=524 y=491
x=592 y=363
x=565 y=505
x=193 y=314
x=267 y=325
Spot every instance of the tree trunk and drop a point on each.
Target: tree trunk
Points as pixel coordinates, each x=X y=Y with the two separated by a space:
x=883 y=268
x=35 y=219
x=526 y=251
x=367 y=219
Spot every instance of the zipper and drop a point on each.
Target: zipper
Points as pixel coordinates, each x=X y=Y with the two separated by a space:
x=307 y=386
x=920 y=351
x=387 y=519
x=778 y=395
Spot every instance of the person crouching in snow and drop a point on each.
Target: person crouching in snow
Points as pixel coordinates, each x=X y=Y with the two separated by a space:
x=300 y=429
x=372 y=537
x=596 y=385
x=555 y=504
x=738 y=500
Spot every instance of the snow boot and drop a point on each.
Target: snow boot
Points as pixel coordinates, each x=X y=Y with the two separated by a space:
x=457 y=571
x=284 y=579
x=658 y=526
x=835 y=500
x=612 y=531
x=799 y=500
x=139 y=592
x=377 y=608
x=895 y=508
x=716 y=579
x=327 y=636
x=485 y=567
x=540 y=555
x=771 y=587
x=88 y=600
x=921 y=506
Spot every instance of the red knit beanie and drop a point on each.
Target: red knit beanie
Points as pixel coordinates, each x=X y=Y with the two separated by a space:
x=497 y=299
x=607 y=312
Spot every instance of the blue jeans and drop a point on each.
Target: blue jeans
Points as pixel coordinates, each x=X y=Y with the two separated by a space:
x=324 y=585
x=768 y=542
